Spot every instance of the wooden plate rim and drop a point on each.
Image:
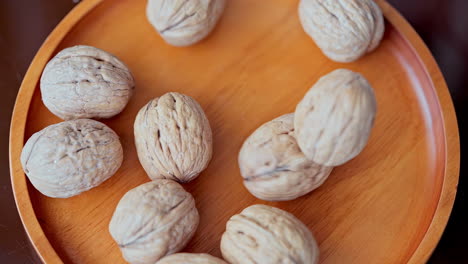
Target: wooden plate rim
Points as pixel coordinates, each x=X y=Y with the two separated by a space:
x=26 y=91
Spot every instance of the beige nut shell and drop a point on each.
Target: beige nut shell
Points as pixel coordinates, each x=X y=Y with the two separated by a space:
x=344 y=30
x=264 y=234
x=272 y=165
x=184 y=22
x=190 y=258
x=86 y=82
x=173 y=138
x=334 y=119
x=153 y=220
x=68 y=158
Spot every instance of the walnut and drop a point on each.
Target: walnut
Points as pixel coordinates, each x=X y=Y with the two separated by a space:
x=264 y=234
x=344 y=30
x=184 y=22
x=173 y=138
x=71 y=157
x=273 y=166
x=334 y=119
x=153 y=220
x=86 y=82
x=186 y=258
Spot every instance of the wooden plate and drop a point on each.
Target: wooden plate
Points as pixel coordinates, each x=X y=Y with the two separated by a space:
x=388 y=205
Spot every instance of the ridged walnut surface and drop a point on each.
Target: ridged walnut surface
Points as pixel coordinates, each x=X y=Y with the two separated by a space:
x=173 y=138
x=272 y=165
x=184 y=22
x=153 y=220
x=344 y=30
x=71 y=157
x=86 y=82
x=334 y=119
x=264 y=234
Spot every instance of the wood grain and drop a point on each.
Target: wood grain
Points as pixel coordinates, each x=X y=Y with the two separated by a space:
x=388 y=205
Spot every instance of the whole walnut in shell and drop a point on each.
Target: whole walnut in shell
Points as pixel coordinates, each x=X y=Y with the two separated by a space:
x=86 y=82
x=344 y=30
x=153 y=220
x=184 y=22
x=173 y=138
x=264 y=234
x=190 y=258
x=334 y=119
x=71 y=157
x=273 y=166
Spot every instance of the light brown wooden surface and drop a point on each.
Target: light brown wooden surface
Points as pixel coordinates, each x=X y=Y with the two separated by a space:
x=388 y=205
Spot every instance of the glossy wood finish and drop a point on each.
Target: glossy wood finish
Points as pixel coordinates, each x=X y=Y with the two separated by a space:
x=388 y=205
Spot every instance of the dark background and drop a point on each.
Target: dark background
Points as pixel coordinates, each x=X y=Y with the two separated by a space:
x=24 y=24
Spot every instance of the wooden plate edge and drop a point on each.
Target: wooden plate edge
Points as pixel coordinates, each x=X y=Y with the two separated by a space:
x=18 y=124
x=452 y=141
x=20 y=112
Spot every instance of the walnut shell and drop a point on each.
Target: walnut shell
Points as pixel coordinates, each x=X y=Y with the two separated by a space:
x=264 y=234
x=334 y=119
x=173 y=138
x=344 y=30
x=184 y=22
x=86 y=82
x=273 y=166
x=153 y=220
x=190 y=258
x=71 y=157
